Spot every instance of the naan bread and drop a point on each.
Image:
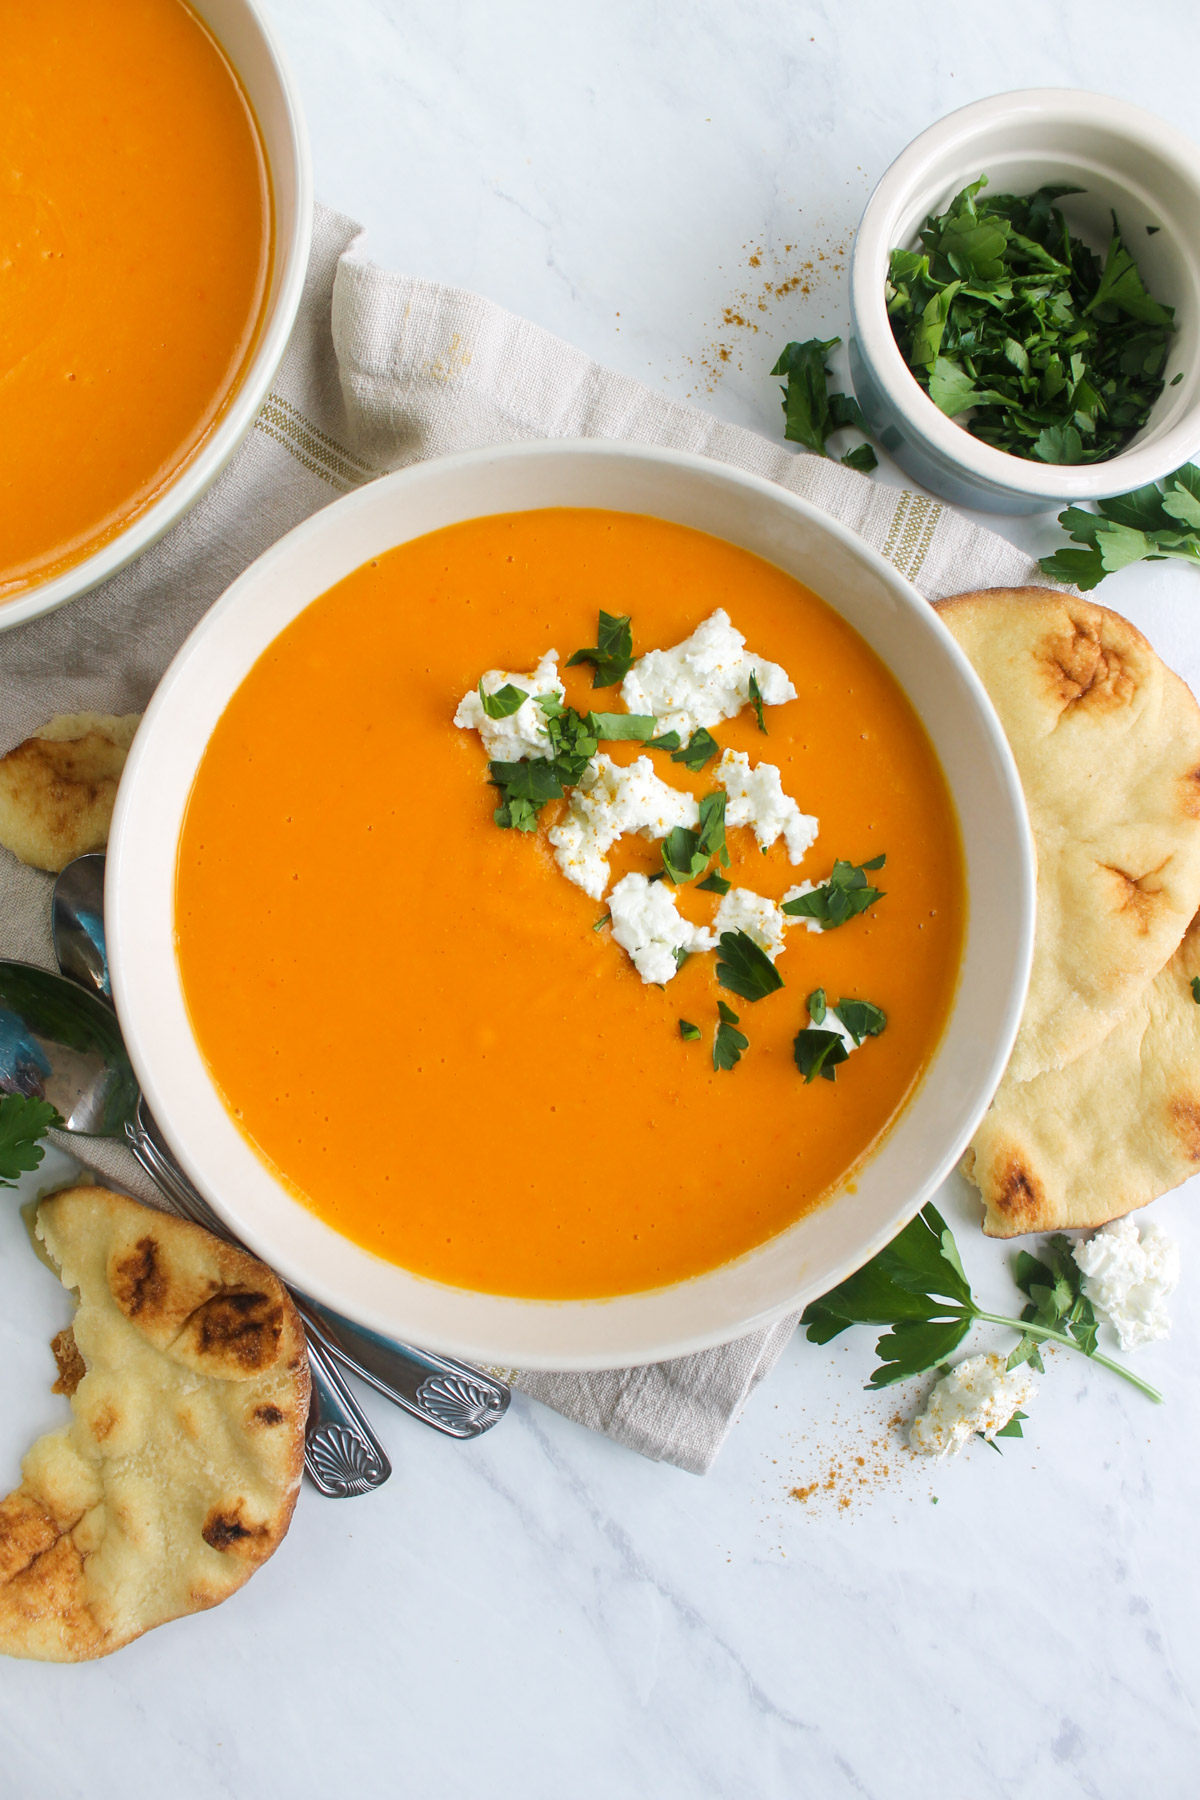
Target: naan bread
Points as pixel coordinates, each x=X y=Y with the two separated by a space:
x=57 y=789
x=1108 y=1133
x=1107 y=742
x=177 y=1476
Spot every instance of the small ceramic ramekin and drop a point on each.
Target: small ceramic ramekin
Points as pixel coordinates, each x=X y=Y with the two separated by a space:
x=242 y=30
x=1128 y=162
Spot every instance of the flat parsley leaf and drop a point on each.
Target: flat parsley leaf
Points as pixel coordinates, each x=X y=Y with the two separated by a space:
x=701 y=747
x=611 y=656
x=811 y=413
x=818 y=1052
x=861 y=1018
x=504 y=702
x=669 y=740
x=728 y=1042
x=842 y=897
x=717 y=884
x=744 y=968
x=687 y=853
x=24 y=1122
x=1159 y=520
x=613 y=728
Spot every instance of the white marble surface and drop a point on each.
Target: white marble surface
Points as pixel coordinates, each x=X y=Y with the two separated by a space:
x=542 y=1614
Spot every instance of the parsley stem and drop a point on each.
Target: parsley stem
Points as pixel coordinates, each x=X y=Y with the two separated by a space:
x=1046 y=1333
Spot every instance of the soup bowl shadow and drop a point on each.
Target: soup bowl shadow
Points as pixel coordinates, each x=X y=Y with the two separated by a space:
x=924 y=1142
x=243 y=33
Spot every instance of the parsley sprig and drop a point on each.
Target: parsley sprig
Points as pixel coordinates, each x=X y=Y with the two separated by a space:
x=918 y=1288
x=24 y=1122
x=1002 y=314
x=1153 y=522
x=845 y=895
x=745 y=968
x=812 y=414
x=728 y=1042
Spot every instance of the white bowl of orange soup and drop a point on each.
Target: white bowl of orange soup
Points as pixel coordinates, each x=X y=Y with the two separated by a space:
x=155 y=221
x=404 y=1055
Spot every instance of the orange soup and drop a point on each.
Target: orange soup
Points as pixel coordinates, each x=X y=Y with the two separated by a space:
x=135 y=241
x=430 y=1033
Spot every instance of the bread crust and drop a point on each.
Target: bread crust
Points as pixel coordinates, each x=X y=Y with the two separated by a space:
x=58 y=788
x=177 y=1477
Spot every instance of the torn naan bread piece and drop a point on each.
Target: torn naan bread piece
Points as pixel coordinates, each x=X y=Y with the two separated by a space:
x=1078 y=1146
x=58 y=788
x=1107 y=742
x=177 y=1475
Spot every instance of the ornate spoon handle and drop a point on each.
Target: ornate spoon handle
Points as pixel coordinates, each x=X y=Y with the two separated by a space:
x=342 y=1455
x=453 y=1397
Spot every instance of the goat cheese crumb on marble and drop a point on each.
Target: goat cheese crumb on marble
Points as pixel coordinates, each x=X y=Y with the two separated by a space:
x=703 y=680
x=741 y=909
x=756 y=797
x=523 y=734
x=648 y=925
x=1127 y=1277
x=978 y=1395
x=607 y=802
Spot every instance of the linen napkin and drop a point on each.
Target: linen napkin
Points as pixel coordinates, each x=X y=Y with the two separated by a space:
x=384 y=370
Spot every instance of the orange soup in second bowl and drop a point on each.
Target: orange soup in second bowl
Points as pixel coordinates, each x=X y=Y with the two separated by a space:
x=135 y=247
x=557 y=1037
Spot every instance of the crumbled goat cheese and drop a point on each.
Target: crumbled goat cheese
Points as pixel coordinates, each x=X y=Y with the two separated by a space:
x=646 y=922
x=703 y=680
x=978 y=1395
x=756 y=797
x=795 y=893
x=523 y=734
x=1127 y=1278
x=608 y=802
x=743 y=910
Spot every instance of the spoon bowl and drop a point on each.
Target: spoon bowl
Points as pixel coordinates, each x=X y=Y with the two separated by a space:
x=77 y=921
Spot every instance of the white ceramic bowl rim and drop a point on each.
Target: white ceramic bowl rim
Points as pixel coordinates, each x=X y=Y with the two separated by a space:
x=876 y=237
x=285 y=288
x=922 y=1146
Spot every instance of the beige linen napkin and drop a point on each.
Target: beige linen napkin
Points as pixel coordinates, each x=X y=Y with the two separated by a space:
x=384 y=370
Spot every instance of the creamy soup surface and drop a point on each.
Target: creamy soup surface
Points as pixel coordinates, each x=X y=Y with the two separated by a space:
x=409 y=1011
x=135 y=246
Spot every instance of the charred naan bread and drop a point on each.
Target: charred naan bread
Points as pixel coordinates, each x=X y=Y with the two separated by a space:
x=1108 y=1133
x=1107 y=742
x=177 y=1476
x=57 y=789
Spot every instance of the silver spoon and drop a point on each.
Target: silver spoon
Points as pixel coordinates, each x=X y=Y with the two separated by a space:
x=454 y=1397
x=64 y=1045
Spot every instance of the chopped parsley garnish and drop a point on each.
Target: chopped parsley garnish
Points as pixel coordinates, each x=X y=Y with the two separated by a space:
x=688 y=1032
x=701 y=747
x=862 y=458
x=861 y=1018
x=529 y=784
x=1002 y=314
x=717 y=884
x=728 y=1042
x=687 y=853
x=505 y=701
x=24 y=1122
x=756 y=701
x=842 y=897
x=744 y=968
x=818 y=1052
x=918 y=1288
x=668 y=741
x=1153 y=522
x=611 y=656
x=618 y=726
x=811 y=413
